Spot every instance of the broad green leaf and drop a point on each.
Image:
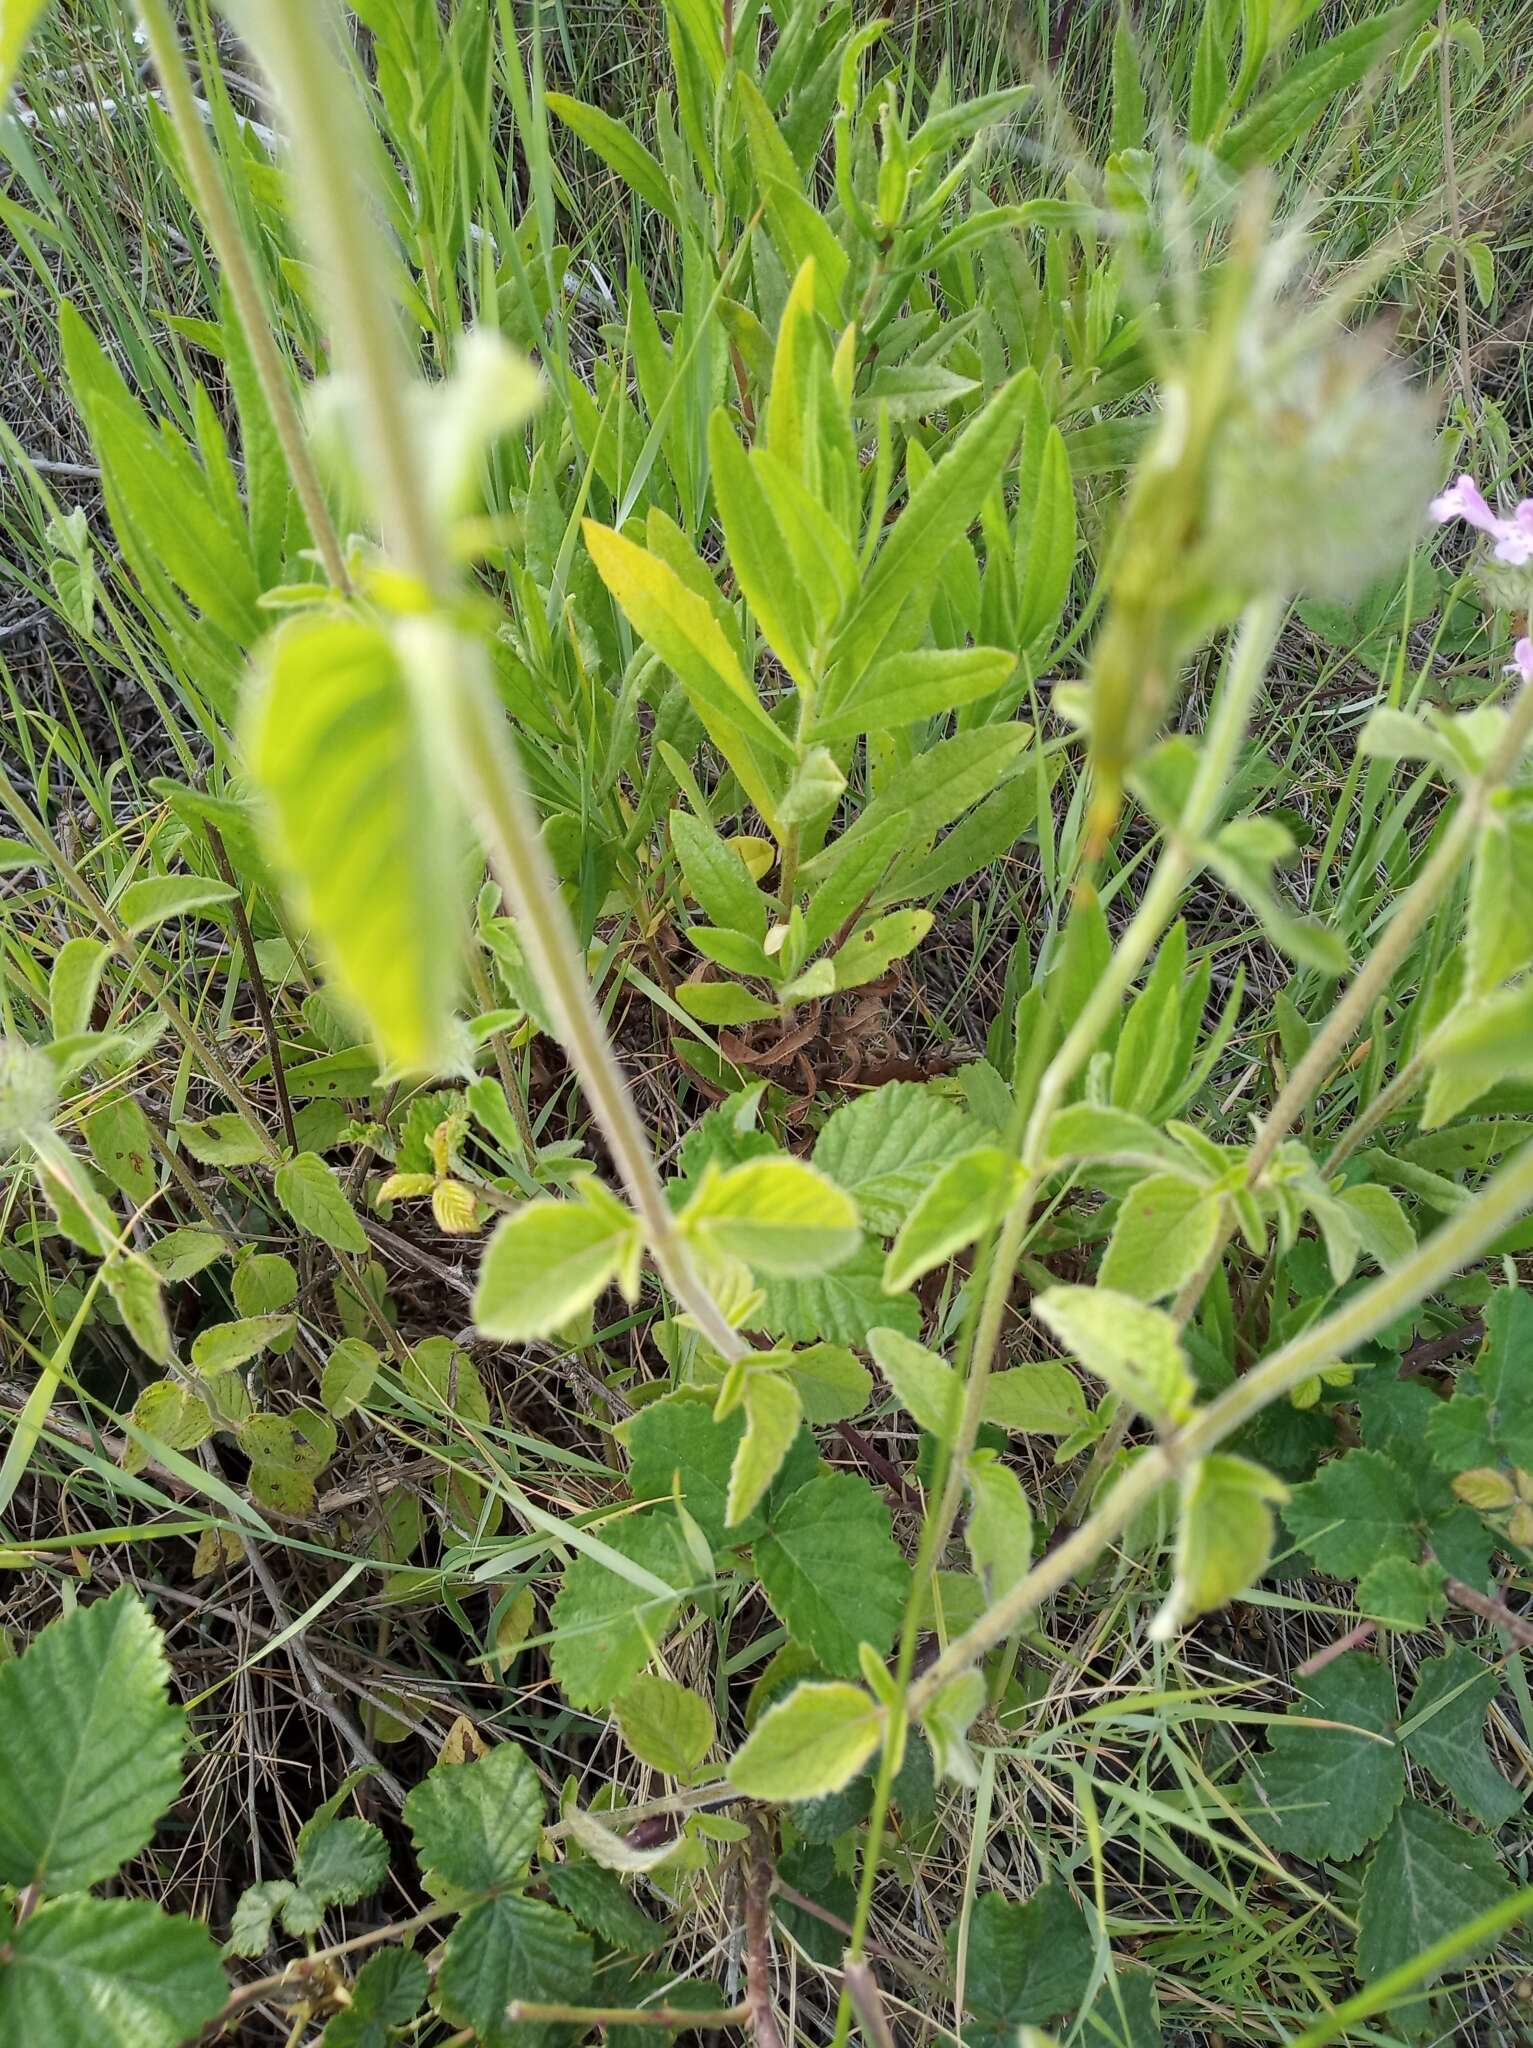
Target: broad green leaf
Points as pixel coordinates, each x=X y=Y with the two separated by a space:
x=872 y=951
x=92 y=1751
x=600 y=1902
x=829 y=1566
x=676 y=1442
x=72 y=985
x=1041 y=1399
x=832 y=1385
x=348 y=1376
x=1401 y=1594
x=181 y=1253
x=967 y=1195
x=924 y=682
x=1166 y=1228
x=387 y=1992
x=1356 y=1510
x=773 y=1418
x=718 y=877
x=1500 y=929
x=223 y=1346
x=312 y=1194
x=882 y=1148
x=1332 y=1777
x=339 y=1862
x=223 y=1140
x=1028 y=1963
x=723 y=1003
x=143 y=905
x=999 y=1531
x=1223 y=1538
x=346 y=745
x=509 y=1948
x=121 y=1143
x=928 y=1388
x=550 y=1260
x=302 y=1443
x=476 y=1825
x=1087 y=1130
x=134 y=1286
x=813 y=1742
x=117 y=1973
x=666 y=1725
x=1290 y=108
x=1444 y=1730
x=841 y=1306
x=1426 y=1877
x=1135 y=1349
x=606 y=1627
x=264 y=1282
x=779 y=1214
x=1483 y=1042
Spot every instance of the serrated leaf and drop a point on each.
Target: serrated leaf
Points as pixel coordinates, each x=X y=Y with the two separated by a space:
x=476 y=1825
x=1444 y=1729
x=92 y=1751
x=810 y=1743
x=1330 y=1791
x=1357 y=1509
x=677 y=1442
x=509 y=1948
x=346 y=747
x=718 y=877
x=884 y=1146
x=830 y=1569
x=606 y=1628
x=1426 y=1877
x=779 y=1214
x=312 y=1195
x=841 y=1306
x=117 y=1973
x=951 y=1212
x=602 y=1903
x=1027 y=1962
x=832 y=1385
x=1165 y=1229
x=550 y=1261
x=1135 y=1349
x=388 y=1991
x=666 y=1725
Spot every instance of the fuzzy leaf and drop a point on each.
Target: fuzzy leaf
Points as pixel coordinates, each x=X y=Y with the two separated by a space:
x=1133 y=1348
x=117 y=1973
x=607 y=1628
x=477 y=1824
x=813 y=1742
x=1426 y=1877
x=1357 y=1509
x=778 y=1214
x=1445 y=1731
x=1330 y=1791
x=511 y=1948
x=1166 y=1227
x=666 y=1725
x=883 y=1147
x=312 y=1195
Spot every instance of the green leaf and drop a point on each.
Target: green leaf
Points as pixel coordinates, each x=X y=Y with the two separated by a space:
x=921 y=683
x=723 y=1003
x=813 y=1742
x=1166 y=1228
x=1027 y=1963
x=1135 y=1349
x=476 y=1825
x=143 y=905
x=1045 y=528
x=718 y=877
x=117 y=1973
x=223 y=1346
x=882 y=1148
x=92 y=1751
x=1088 y=1130
x=618 y=147
x=1042 y=1399
x=967 y=1197
x=773 y=1418
x=348 y=1376
x=927 y=1387
x=842 y=1306
x=1400 y=1594
x=757 y=552
x=1482 y=1042
x=17 y=21
x=1286 y=113
x=550 y=1261
x=181 y=1253
x=344 y=742
x=339 y=1862
x=666 y=1725
x=999 y=1531
x=1328 y=1791
x=1223 y=1538
x=1500 y=930
x=600 y=1902
x=1426 y=1876
x=870 y=952
x=511 y=1948
x=779 y=1214
x=829 y=1566
x=1356 y=1510
x=122 y=1145
x=606 y=1628
x=312 y=1195
x=223 y=1140
x=1444 y=1730
x=72 y=985
x=832 y=1385
x=387 y=1992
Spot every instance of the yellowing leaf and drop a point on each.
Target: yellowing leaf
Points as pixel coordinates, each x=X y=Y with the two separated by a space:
x=781 y=1215
x=550 y=1260
x=1223 y=1539
x=813 y=1742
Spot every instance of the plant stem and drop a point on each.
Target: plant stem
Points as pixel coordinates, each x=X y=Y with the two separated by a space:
x=328 y=145
x=249 y=300
x=1461 y=1239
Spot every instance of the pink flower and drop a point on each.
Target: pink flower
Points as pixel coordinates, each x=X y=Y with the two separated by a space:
x=1464 y=500
x=1521 y=662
